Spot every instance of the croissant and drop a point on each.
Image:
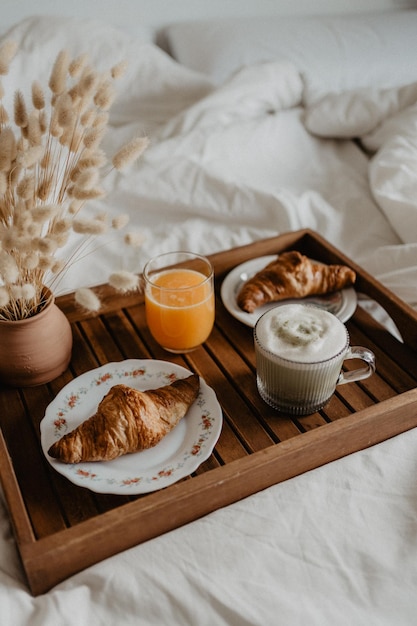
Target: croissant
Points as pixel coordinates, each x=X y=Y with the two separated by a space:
x=292 y=275
x=127 y=420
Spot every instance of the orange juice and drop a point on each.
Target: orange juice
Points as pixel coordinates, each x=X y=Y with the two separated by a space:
x=180 y=308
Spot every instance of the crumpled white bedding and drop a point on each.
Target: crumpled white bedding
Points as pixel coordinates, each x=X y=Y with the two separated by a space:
x=227 y=165
x=385 y=122
x=334 y=546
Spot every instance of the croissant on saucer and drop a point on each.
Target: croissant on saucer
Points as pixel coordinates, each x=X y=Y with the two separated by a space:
x=292 y=275
x=127 y=420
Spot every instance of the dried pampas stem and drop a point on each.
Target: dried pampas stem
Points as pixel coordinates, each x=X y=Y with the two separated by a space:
x=7 y=51
x=51 y=165
x=124 y=281
x=130 y=152
x=87 y=299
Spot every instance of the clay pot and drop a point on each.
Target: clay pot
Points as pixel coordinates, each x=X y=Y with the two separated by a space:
x=35 y=350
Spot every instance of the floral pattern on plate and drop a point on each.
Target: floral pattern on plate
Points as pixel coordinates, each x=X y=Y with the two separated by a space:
x=176 y=456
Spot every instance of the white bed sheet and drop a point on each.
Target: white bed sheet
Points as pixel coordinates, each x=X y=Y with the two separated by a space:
x=334 y=546
x=230 y=164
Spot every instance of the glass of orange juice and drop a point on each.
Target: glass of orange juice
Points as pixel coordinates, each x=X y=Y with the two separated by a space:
x=179 y=300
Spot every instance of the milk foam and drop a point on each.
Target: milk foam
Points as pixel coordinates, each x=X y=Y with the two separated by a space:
x=301 y=333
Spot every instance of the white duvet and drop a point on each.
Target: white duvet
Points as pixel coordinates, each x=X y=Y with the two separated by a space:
x=227 y=165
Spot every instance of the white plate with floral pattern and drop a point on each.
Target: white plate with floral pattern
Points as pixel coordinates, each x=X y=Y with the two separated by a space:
x=341 y=303
x=179 y=453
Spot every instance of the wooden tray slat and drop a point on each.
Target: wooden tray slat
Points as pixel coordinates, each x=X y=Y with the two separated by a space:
x=61 y=528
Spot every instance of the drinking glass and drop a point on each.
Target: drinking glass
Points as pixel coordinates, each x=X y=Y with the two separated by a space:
x=179 y=300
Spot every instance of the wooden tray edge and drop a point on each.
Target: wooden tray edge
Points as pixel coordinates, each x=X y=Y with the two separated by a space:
x=187 y=501
x=18 y=513
x=404 y=316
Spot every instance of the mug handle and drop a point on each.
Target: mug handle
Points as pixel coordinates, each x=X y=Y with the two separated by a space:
x=357 y=352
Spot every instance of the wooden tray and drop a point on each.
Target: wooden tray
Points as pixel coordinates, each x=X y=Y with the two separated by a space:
x=61 y=529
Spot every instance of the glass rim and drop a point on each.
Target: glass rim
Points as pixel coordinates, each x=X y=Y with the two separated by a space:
x=192 y=255
x=292 y=361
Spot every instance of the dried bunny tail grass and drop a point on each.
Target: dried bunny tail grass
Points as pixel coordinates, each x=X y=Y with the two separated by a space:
x=124 y=281
x=34 y=229
x=64 y=111
x=38 y=96
x=88 y=83
x=58 y=77
x=61 y=238
x=30 y=261
x=100 y=120
x=119 y=70
x=8 y=267
x=5 y=212
x=93 y=137
x=30 y=157
x=71 y=138
x=20 y=110
x=7 y=51
x=60 y=225
x=85 y=226
x=4 y=297
x=12 y=241
x=87 y=194
x=48 y=170
x=27 y=292
x=55 y=129
x=87 y=299
x=58 y=266
x=87 y=118
x=22 y=219
x=96 y=153
x=26 y=187
x=7 y=149
x=77 y=65
x=43 y=121
x=96 y=159
x=45 y=187
x=4 y=116
x=120 y=221
x=34 y=129
x=45 y=263
x=47 y=246
x=44 y=212
x=16 y=292
x=84 y=90
x=86 y=179
x=46 y=161
x=105 y=95
x=75 y=206
x=130 y=152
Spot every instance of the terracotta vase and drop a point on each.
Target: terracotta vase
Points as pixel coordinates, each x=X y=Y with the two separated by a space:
x=35 y=350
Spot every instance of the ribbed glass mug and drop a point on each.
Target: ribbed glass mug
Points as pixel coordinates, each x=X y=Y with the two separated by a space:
x=300 y=350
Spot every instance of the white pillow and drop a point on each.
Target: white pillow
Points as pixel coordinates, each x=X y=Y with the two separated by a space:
x=358 y=112
x=252 y=93
x=154 y=88
x=335 y=53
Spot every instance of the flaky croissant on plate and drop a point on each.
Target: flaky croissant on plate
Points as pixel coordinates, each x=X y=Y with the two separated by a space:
x=292 y=275
x=127 y=420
